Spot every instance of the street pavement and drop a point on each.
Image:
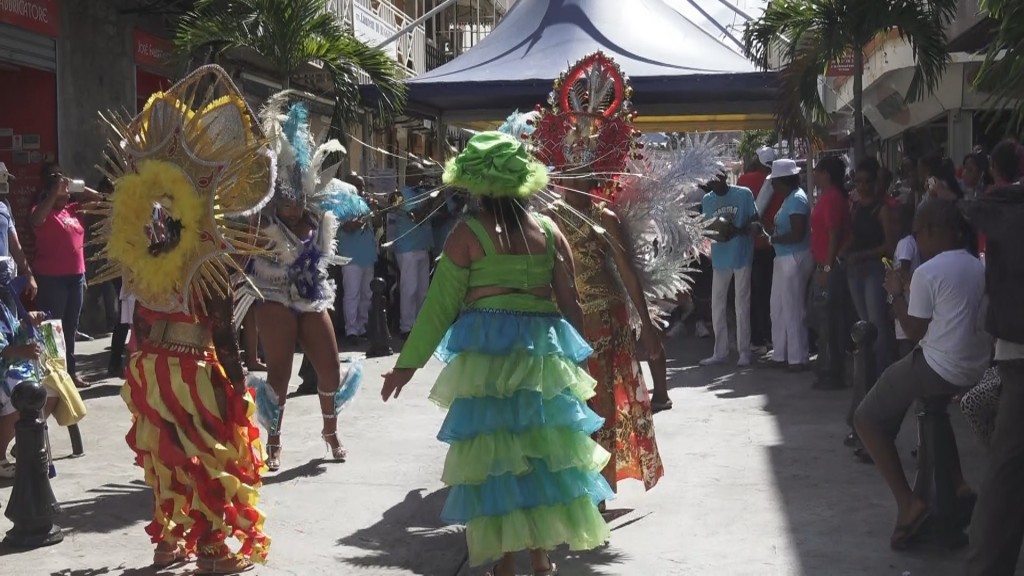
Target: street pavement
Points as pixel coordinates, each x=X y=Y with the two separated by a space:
x=757 y=483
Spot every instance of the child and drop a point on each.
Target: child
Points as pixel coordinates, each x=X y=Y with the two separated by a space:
x=907 y=259
x=18 y=355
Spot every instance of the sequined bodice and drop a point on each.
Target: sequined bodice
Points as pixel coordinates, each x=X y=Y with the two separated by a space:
x=590 y=253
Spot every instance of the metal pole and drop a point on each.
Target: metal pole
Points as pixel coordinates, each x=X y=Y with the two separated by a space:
x=416 y=23
x=737 y=10
x=715 y=23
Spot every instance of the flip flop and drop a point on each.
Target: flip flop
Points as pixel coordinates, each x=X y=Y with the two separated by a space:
x=904 y=534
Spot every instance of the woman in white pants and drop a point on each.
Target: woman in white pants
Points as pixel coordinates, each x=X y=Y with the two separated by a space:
x=793 y=267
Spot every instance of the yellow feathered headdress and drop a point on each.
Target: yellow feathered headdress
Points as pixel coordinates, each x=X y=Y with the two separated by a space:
x=188 y=171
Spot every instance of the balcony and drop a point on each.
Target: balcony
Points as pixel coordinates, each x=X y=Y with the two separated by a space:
x=376 y=21
x=971 y=30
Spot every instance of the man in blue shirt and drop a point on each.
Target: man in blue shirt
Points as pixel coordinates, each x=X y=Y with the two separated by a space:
x=414 y=239
x=356 y=241
x=734 y=222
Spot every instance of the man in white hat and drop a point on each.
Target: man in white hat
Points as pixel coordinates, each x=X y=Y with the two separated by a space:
x=734 y=223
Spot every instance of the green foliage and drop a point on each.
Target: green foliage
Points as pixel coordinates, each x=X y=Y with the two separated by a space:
x=810 y=35
x=1002 y=74
x=288 y=35
x=751 y=140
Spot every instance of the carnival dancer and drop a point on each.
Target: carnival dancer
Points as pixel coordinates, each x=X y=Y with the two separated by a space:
x=191 y=160
x=523 y=470
x=293 y=293
x=588 y=136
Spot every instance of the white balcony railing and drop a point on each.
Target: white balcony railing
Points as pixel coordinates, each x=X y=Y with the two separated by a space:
x=375 y=21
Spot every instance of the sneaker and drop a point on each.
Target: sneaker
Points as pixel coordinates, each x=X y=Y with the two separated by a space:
x=702 y=330
x=6 y=469
x=744 y=360
x=760 y=349
x=712 y=361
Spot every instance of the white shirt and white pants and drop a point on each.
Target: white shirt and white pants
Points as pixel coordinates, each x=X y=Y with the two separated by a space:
x=948 y=290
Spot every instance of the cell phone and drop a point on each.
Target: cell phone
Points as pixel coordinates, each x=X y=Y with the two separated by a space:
x=76 y=186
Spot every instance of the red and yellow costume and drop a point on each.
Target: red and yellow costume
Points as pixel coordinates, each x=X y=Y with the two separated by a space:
x=188 y=172
x=589 y=132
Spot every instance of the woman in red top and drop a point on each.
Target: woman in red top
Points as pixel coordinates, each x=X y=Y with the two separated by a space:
x=59 y=262
x=830 y=226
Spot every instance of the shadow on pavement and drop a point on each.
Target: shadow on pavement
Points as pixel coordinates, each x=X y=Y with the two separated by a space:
x=110 y=508
x=310 y=469
x=122 y=571
x=826 y=495
x=410 y=536
x=93 y=367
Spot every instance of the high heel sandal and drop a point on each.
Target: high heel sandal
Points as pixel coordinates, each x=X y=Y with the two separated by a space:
x=338 y=453
x=273 y=457
x=165 y=558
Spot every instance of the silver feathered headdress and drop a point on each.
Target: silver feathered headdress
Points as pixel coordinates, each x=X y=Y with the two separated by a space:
x=301 y=175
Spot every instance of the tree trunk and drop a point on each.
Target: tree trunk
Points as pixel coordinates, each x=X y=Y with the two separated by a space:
x=858 y=103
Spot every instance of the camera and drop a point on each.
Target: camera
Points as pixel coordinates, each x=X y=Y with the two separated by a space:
x=76 y=186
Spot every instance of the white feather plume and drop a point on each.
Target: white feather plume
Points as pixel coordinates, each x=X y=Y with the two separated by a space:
x=665 y=228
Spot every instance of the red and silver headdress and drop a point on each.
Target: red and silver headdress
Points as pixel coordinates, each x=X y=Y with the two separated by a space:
x=589 y=128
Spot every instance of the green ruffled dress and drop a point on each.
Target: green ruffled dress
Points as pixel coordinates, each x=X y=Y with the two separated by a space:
x=523 y=470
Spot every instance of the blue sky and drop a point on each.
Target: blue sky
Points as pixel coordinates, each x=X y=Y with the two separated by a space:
x=722 y=14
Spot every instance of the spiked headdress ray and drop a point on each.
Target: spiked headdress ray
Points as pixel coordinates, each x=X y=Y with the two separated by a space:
x=188 y=172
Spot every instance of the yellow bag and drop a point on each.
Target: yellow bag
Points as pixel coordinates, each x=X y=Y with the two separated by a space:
x=70 y=408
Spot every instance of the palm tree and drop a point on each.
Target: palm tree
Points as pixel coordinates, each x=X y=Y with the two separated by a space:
x=291 y=36
x=750 y=141
x=1002 y=74
x=811 y=35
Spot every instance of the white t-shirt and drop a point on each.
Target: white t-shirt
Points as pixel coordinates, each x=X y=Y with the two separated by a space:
x=949 y=289
x=906 y=249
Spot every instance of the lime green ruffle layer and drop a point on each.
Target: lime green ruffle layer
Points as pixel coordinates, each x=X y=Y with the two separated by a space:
x=472 y=461
x=475 y=375
x=578 y=524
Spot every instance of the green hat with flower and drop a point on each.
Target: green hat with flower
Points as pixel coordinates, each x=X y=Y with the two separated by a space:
x=496 y=165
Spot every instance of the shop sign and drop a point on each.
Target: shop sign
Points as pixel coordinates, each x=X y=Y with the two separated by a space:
x=152 y=51
x=42 y=16
x=842 y=67
x=372 y=29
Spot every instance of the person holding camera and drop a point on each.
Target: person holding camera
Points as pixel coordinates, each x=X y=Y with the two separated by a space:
x=59 y=262
x=734 y=223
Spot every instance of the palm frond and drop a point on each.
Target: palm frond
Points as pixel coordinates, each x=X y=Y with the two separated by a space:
x=1002 y=73
x=289 y=35
x=923 y=26
x=810 y=35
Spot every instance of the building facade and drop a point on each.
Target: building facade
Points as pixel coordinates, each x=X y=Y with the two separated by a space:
x=950 y=121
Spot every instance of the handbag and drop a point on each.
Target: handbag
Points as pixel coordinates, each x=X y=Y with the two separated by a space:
x=70 y=408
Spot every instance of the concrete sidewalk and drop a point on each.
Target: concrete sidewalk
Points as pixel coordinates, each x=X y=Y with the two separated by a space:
x=757 y=483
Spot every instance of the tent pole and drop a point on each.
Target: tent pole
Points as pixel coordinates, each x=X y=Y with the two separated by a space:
x=412 y=25
x=442 y=138
x=716 y=24
x=737 y=10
